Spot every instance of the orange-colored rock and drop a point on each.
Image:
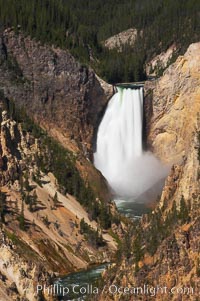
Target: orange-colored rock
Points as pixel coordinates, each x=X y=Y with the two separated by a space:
x=175 y=107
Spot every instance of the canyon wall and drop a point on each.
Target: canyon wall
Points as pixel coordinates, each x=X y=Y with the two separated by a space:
x=60 y=93
x=163 y=248
x=172 y=105
x=41 y=223
x=41 y=233
x=64 y=97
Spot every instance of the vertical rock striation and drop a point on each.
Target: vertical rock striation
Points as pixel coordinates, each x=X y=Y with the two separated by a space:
x=64 y=97
x=172 y=104
x=60 y=93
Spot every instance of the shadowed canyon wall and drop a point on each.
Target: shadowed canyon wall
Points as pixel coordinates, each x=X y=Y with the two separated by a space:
x=64 y=97
x=56 y=90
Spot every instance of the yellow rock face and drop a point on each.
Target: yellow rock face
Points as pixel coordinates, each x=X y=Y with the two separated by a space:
x=176 y=104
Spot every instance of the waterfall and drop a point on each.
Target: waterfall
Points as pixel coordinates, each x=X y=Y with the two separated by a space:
x=119 y=155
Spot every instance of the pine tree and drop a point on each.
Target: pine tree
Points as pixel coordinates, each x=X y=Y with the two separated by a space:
x=31 y=201
x=26 y=183
x=55 y=200
x=2 y=206
x=21 y=218
x=184 y=212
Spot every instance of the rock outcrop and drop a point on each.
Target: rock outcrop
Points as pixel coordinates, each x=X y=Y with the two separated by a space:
x=118 y=41
x=19 y=277
x=10 y=141
x=161 y=61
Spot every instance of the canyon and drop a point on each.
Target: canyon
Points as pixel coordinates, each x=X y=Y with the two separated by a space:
x=68 y=100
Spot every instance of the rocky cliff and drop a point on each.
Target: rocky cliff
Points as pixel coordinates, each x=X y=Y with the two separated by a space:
x=41 y=234
x=161 y=61
x=64 y=97
x=172 y=103
x=120 y=40
x=54 y=88
x=161 y=260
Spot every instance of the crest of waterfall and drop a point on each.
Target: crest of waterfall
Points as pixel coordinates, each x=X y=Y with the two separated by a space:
x=119 y=155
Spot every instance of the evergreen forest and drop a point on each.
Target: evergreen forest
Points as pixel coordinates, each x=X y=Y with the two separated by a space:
x=82 y=26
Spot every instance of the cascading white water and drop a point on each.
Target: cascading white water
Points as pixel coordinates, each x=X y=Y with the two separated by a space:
x=119 y=155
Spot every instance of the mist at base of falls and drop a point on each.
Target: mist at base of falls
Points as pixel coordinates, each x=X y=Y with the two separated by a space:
x=129 y=170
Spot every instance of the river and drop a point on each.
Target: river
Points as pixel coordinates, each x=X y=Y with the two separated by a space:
x=78 y=285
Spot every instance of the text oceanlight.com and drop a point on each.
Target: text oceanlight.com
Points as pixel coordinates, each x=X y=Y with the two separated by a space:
x=58 y=290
